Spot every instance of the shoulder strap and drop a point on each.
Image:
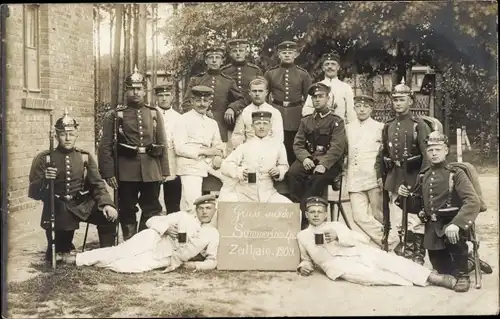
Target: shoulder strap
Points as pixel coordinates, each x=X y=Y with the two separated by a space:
x=451 y=184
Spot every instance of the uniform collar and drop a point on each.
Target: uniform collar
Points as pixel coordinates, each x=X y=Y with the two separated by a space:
x=63 y=150
x=202 y=116
x=324 y=114
x=239 y=64
x=439 y=165
x=135 y=105
x=404 y=116
x=213 y=72
x=165 y=110
x=287 y=65
x=329 y=80
x=365 y=122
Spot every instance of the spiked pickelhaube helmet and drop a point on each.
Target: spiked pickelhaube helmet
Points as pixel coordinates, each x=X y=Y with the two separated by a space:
x=135 y=79
x=66 y=123
x=436 y=138
x=402 y=90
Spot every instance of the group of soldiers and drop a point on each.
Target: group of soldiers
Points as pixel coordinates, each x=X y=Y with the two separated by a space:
x=253 y=131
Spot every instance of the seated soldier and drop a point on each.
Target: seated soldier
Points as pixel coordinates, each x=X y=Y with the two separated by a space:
x=79 y=191
x=319 y=146
x=254 y=166
x=343 y=253
x=170 y=241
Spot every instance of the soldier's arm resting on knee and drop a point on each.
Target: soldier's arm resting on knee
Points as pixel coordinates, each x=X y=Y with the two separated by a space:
x=97 y=187
x=282 y=164
x=337 y=148
x=470 y=201
x=38 y=187
x=210 y=261
x=299 y=144
x=231 y=165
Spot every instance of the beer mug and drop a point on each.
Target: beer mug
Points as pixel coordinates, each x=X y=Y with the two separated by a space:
x=252 y=176
x=319 y=238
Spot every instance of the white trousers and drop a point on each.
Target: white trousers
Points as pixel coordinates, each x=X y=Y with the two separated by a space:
x=414 y=223
x=367 y=214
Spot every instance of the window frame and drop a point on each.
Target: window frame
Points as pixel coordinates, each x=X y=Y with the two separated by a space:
x=36 y=28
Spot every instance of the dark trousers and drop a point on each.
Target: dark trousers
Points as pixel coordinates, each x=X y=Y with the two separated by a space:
x=172 y=195
x=304 y=184
x=64 y=238
x=452 y=260
x=146 y=194
x=289 y=137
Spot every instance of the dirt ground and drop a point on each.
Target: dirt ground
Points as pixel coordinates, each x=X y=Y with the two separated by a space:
x=35 y=291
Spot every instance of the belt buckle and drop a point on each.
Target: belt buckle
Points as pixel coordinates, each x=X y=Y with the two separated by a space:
x=68 y=197
x=397 y=163
x=433 y=217
x=285 y=104
x=141 y=149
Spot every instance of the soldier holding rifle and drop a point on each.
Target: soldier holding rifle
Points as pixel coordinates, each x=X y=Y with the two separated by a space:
x=402 y=150
x=142 y=163
x=79 y=192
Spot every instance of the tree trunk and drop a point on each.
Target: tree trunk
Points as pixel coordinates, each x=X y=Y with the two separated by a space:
x=115 y=64
x=136 y=35
x=141 y=40
x=96 y=41
x=110 y=74
x=126 y=45
x=98 y=56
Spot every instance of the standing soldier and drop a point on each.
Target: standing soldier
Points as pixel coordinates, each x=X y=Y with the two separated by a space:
x=403 y=140
x=228 y=102
x=288 y=85
x=319 y=146
x=80 y=192
x=172 y=186
x=449 y=211
x=142 y=162
x=240 y=70
x=341 y=96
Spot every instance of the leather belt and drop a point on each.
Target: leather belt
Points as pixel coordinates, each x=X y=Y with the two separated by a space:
x=287 y=104
x=67 y=197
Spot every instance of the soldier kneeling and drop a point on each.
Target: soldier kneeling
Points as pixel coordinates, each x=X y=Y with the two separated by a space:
x=79 y=191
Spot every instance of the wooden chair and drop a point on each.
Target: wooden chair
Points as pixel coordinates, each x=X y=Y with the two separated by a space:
x=335 y=199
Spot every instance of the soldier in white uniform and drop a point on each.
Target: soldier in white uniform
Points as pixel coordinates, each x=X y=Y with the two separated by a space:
x=172 y=186
x=255 y=165
x=243 y=129
x=364 y=137
x=343 y=253
x=160 y=245
x=341 y=92
x=198 y=146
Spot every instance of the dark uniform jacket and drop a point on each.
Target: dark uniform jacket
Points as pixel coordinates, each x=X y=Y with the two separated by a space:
x=321 y=138
x=288 y=84
x=84 y=184
x=142 y=127
x=432 y=192
x=227 y=95
x=393 y=145
x=242 y=73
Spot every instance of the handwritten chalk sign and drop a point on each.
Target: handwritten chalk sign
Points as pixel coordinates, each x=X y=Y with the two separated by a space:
x=258 y=236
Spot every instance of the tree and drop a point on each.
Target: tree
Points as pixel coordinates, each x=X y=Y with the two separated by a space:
x=115 y=61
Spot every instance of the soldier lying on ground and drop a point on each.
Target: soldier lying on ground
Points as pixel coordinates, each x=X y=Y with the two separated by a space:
x=343 y=253
x=80 y=192
x=170 y=241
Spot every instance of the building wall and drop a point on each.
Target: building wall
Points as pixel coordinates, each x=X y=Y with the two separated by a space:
x=65 y=57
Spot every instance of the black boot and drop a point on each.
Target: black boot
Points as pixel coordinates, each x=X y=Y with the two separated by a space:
x=463 y=283
x=107 y=235
x=418 y=249
x=129 y=230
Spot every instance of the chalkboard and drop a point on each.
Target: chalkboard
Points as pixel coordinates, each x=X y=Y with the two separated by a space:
x=258 y=236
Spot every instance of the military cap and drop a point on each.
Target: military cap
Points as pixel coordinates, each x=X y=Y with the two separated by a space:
x=330 y=57
x=213 y=50
x=164 y=87
x=366 y=99
x=261 y=115
x=436 y=138
x=236 y=43
x=316 y=201
x=287 y=45
x=209 y=198
x=318 y=87
x=202 y=91
x=66 y=123
x=402 y=90
x=135 y=79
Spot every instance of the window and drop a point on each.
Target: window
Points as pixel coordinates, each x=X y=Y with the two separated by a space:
x=31 y=48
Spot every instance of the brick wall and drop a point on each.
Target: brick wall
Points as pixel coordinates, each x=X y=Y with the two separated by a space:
x=66 y=81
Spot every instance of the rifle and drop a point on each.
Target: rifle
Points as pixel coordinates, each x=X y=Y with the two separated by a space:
x=477 y=261
x=115 y=159
x=386 y=213
x=51 y=193
x=404 y=219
